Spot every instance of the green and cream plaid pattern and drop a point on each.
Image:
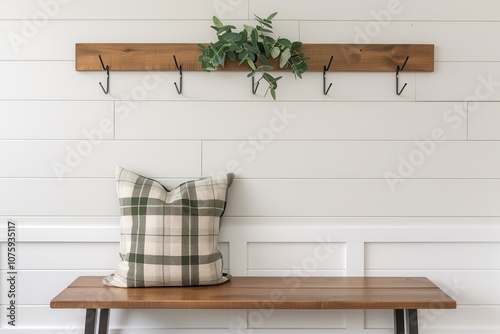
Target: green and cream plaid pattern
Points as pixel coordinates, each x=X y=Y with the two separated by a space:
x=169 y=238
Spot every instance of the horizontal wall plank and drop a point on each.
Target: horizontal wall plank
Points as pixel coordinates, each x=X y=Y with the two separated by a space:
x=64 y=256
x=93 y=157
x=66 y=197
x=43 y=317
x=56 y=40
x=297 y=255
x=296 y=319
x=348 y=159
x=54 y=119
x=278 y=198
x=467 y=287
x=261 y=331
x=143 y=331
x=459 y=256
x=482 y=10
x=170 y=319
x=469 y=319
x=287 y=198
x=297 y=271
x=460 y=81
x=94 y=9
x=28 y=284
x=269 y=229
x=69 y=197
x=463 y=10
x=473 y=34
x=63 y=229
x=289 y=121
x=484 y=121
x=365 y=32
x=362 y=228
x=49 y=81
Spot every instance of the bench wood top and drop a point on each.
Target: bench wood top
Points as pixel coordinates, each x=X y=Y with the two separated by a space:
x=263 y=292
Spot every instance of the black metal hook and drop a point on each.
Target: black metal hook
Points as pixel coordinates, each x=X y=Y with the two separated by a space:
x=398 y=69
x=105 y=68
x=254 y=86
x=326 y=69
x=179 y=68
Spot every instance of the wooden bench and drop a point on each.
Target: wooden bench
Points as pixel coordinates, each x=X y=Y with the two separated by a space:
x=404 y=295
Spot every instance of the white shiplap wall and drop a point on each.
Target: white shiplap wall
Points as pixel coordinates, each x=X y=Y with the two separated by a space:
x=311 y=196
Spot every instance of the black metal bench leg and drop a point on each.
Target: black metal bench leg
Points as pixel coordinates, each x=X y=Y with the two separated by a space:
x=399 y=322
x=104 y=321
x=90 y=320
x=412 y=318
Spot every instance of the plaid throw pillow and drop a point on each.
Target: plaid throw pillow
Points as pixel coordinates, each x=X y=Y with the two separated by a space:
x=169 y=238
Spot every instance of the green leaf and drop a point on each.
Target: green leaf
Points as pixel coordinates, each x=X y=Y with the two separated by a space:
x=266 y=24
x=255 y=38
x=269 y=40
x=234 y=48
x=225 y=29
x=259 y=28
x=251 y=74
x=285 y=56
x=251 y=64
x=257 y=17
x=266 y=49
x=273 y=93
x=269 y=78
x=271 y=17
x=217 y=22
x=265 y=67
x=244 y=35
x=231 y=37
x=243 y=55
x=263 y=22
x=222 y=60
x=285 y=42
x=251 y=49
x=252 y=56
x=264 y=60
x=231 y=55
x=296 y=45
x=248 y=29
x=275 y=52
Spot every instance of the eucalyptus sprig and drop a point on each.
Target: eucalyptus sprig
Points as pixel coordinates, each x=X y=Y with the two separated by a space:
x=254 y=46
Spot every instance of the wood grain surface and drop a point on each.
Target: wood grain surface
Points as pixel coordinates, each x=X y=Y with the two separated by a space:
x=347 y=57
x=263 y=292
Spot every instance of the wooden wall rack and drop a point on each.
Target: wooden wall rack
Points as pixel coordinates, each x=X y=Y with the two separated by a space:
x=347 y=57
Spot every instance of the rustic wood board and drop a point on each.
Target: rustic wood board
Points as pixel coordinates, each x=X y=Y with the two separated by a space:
x=264 y=292
x=347 y=57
